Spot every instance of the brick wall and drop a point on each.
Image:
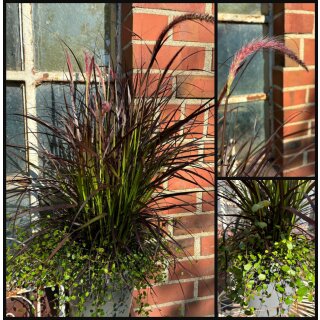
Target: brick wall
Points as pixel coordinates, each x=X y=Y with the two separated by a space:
x=186 y=293
x=294 y=89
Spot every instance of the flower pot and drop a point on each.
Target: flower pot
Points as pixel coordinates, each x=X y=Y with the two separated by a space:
x=271 y=306
x=118 y=306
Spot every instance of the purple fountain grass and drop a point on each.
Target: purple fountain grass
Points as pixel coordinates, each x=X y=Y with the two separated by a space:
x=253 y=47
x=238 y=62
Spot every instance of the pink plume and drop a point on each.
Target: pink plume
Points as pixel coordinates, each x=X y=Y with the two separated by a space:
x=105 y=107
x=69 y=64
x=88 y=64
x=101 y=80
x=112 y=73
x=256 y=45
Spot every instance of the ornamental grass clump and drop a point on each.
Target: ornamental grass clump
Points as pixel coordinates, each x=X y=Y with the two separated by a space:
x=99 y=186
x=268 y=242
x=251 y=158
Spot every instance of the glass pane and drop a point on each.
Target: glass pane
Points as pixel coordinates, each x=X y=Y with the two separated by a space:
x=16 y=203
x=13 y=50
x=15 y=132
x=245 y=120
x=231 y=37
x=83 y=26
x=240 y=8
x=50 y=101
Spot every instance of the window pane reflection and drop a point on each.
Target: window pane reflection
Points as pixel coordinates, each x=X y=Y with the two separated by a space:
x=13 y=50
x=83 y=26
x=231 y=37
x=15 y=132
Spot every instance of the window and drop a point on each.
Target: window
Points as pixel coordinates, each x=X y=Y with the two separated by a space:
x=36 y=68
x=250 y=105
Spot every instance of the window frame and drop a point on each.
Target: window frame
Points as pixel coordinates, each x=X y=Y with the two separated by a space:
x=30 y=78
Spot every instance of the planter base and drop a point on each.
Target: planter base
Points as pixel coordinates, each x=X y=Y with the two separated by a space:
x=118 y=306
x=271 y=306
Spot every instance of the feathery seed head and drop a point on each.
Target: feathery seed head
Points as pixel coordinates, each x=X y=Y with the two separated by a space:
x=255 y=46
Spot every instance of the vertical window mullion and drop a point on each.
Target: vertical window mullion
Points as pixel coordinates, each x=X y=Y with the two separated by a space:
x=30 y=92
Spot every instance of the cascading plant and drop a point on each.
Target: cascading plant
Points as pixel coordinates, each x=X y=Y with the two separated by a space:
x=267 y=243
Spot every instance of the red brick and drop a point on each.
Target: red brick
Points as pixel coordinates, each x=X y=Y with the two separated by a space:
x=311 y=156
x=282 y=60
x=148 y=26
x=195 y=86
x=299 y=23
x=209 y=151
x=294 y=45
x=305 y=171
x=293 y=161
x=289 y=98
x=195 y=224
x=170 y=114
x=311 y=95
x=300 y=6
x=191 y=152
x=169 y=311
x=309 y=51
x=169 y=292
x=194 y=31
x=184 y=7
x=297 y=146
x=197 y=177
x=200 y=308
x=298 y=78
x=187 y=248
x=208 y=201
x=296 y=130
x=195 y=129
x=149 y=87
x=192 y=269
x=293 y=98
x=206 y=287
x=294 y=115
x=207 y=245
x=185 y=203
x=188 y=58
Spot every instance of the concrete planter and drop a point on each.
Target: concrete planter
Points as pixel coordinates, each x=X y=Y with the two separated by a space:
x=271 y=306
x=118 y=306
